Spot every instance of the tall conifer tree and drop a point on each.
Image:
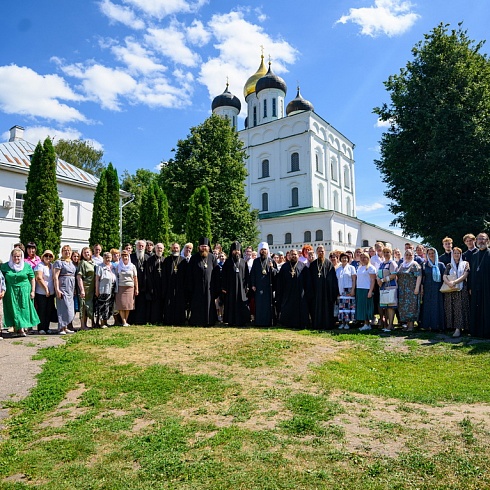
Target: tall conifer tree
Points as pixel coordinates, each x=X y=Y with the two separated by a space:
x=198 y=223
x=43 y=208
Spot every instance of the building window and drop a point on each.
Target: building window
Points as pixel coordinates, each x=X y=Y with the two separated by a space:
x=349 y=238
x=335 y=201
x=274 y=108
x=307 y=237
x=287 y=239
x=270 y=239
x=74 y=214
x=255 y=115
x=294 y=197
x=340 y=236
x=265 y=201
x=321 y=199
x=318 y=235
x=318 y=166
x=347 y=178
x=333 y=169
x=19 y=205
x=265 y=168
x=295 y=162
x=348 y=209
x=265 y=108
x=365 y=243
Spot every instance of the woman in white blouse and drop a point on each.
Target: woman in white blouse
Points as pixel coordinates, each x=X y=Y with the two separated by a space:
x=346 y=277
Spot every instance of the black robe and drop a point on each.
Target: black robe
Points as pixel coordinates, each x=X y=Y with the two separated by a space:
x=154 y=288
x=234 y=280
x=201 y=289
x=292 y=294
x=324 y=293
x=175 y=295
x=265 y=285
x=140 y=314
x=479 y=286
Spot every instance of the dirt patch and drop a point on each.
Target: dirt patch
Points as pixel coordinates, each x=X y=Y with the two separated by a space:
x=67 y=410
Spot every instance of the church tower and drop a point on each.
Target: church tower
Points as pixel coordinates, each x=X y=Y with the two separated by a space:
x=227 y=106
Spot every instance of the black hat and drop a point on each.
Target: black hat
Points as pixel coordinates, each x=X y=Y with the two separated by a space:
x=235 y=246
x=204 y=241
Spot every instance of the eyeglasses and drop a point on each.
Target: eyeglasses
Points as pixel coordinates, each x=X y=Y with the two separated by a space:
x=49 y=256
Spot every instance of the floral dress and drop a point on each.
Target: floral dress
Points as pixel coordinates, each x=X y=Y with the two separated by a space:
x=408 y=302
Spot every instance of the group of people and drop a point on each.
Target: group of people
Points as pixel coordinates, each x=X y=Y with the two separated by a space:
x=299 y=289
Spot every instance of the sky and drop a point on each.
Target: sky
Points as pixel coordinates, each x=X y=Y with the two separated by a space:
x=133 y=76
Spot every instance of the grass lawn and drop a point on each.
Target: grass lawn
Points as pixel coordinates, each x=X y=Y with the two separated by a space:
x=225 y=408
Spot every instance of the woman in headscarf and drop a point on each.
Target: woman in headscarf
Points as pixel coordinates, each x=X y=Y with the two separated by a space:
x=433 y=301
x=457 y=303
x=127 y=287
x=409 y=278
x=105 y=286
x=18 y=307
x=64 y=285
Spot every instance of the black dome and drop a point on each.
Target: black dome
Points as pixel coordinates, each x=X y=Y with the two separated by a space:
x=270 y=80
x=226 y=99
x=299 y=104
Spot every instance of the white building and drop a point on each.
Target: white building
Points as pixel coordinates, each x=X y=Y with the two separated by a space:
x=76 y=189
x=301 y=170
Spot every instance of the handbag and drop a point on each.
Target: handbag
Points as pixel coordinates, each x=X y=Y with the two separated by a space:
x=387 y=296
x=448 y=289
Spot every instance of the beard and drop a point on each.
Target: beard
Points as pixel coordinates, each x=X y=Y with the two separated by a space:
x=159 y=254
x=263 y=255
x=293 y=260
x=175 y=253
x=140 y=254
x=204 y=253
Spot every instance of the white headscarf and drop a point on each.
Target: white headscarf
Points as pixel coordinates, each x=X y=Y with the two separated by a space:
x=122 y=267
x=458 y=269
x=266 y=246
x=16 y=267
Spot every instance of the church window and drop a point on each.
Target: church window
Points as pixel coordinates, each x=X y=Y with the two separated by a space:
x=335 y=201
x=347 y=177
x=19 y=205
x=307 y=237
x=295 y=162
x=340 y=236
x=318 y=165
x=365 y=243
x=265 y=108
x=270 y=239
x=287 y=239
x=318 y=235
x=349 y=238
x=348 y=206
x=265 y=201
x=333 y=169
x=255 y=115
x=265 y=168
x=294 y=197
x=321 y=199
x=274 y=109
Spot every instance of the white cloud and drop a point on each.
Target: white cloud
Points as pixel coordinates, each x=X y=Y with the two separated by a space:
x=163 y=8
x=390 y=17
x=23 y=91
x=238 y=43
x=137 y=58
x=197 y=33
x=382 y=124
x=368 y=208
x=170 y=42
x=119 y=13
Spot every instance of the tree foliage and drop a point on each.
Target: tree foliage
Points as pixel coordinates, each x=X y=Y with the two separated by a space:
x=198 y=222
x=105 y=215
x=435 y=157
x=211 y=156
x=81 y=154
x=153 y=218
x=43 y=208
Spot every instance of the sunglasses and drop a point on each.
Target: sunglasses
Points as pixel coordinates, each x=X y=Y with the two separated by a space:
x=49 y=256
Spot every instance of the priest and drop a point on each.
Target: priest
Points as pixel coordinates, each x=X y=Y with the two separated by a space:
x=174 y=271
x=140 y=314
x=155 y=284
x=200 y=286
x=262 y=282
x=234 y=280
x=292 y=293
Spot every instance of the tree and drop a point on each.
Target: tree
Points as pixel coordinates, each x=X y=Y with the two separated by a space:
x=81 y=154
x=43 y=208
x=435 y=157
x=198 y=222
x=211 y=156
x=105 y=214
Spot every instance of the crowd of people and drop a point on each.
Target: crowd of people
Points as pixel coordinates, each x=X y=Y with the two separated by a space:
x=364 y=288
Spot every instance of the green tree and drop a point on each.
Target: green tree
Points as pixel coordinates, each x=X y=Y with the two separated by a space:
x=213 y=156
x=105 y=214
x=163 y=232
x=435 y=156
x=43 y=208
x=153 y=219
x=198 y=222
x=81 y=154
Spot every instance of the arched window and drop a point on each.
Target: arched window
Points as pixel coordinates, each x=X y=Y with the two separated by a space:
x=307 y=237
x=274 y=107
x=265 y=201
x=348 y=209
x=333 y=169
x=321 y=198
x=270 y=239
x=255 y=115
x=265 y=168
x=336 y=201
x=317 y=163
x=318 y=235
x=265 y=107
x=294 y=162
x=349 y=238
x=340 y=236
x=294 y=197
x=365 y=243
x=346 y=177
x=287 y=239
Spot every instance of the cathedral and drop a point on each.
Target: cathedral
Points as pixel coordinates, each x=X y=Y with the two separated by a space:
x=301 y=170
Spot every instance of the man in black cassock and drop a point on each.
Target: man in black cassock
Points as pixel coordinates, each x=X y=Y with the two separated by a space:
x=479 y=288
x=200 y=286
x=154 y=284
x=262 y=282
x=234 y=277
x=324 y=291
x=140 y=314
x=292 y=292
x=174 y=270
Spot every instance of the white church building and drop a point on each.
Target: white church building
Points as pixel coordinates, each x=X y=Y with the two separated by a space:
x=301 y=170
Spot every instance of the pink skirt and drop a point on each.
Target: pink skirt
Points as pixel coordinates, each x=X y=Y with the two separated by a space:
x=125 y=298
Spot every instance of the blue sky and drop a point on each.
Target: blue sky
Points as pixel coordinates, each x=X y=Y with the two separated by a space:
x=133 y=76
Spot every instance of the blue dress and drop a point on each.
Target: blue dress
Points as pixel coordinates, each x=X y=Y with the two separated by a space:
x=433 y=301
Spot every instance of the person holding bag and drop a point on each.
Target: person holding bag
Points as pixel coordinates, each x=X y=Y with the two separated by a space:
x=388 y=297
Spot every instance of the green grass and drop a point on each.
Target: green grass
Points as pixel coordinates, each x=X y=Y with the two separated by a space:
x=246 y=413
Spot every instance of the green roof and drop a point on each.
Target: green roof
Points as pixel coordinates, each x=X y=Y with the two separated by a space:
x=292 y=212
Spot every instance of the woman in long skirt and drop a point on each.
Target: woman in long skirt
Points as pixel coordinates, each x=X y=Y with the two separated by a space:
x=105 y=286
x=409 y=278
x=64 y=285
x=127 y=287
